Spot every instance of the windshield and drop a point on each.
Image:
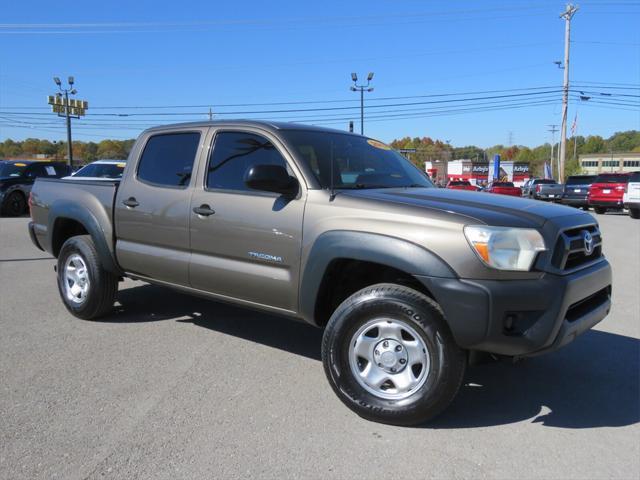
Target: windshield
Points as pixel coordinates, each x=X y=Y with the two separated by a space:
x=612 y=178
x=458 y=183
x=581 y=180
x=546 y=181
x=503 y=184
x=9 y=169
x=101 y=170
x=358 y=162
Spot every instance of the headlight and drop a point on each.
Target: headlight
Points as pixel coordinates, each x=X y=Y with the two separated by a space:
x=505 y=248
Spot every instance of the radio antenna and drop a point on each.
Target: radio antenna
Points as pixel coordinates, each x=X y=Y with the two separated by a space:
x=332 y=192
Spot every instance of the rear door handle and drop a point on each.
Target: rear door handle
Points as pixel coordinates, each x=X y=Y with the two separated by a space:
x=130 y=202
x=204 y=210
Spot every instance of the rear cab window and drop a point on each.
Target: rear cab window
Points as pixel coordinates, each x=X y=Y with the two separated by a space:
x=167 y=159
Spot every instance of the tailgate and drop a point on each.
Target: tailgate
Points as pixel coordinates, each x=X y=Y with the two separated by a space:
x=633 y=192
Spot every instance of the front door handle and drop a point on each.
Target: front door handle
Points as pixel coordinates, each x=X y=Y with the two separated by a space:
x=204 y=210
x=131 y=202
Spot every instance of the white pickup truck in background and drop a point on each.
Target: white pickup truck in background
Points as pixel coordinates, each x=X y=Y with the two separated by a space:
x=631 y=198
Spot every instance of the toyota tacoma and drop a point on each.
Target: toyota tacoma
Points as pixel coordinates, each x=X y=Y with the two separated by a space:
x=338 y=230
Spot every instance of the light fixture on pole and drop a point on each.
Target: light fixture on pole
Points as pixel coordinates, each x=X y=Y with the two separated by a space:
x=361 y=88
x=67 y=108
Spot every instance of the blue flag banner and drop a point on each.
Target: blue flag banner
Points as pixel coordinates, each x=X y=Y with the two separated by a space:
x=496 y=166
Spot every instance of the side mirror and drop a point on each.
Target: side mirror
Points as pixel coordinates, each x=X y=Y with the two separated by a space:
x=271 y=178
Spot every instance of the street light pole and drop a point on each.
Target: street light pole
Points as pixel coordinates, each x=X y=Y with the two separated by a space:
x=361 y=88
x=67 y=112
x=567 y=15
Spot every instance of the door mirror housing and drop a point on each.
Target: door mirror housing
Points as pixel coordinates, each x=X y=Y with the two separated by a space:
x=271 y=178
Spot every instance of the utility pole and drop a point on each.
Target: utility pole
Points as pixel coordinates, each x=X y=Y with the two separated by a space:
x=553 y=129
x=68 y=108
x=361 y=88
x=567 y=15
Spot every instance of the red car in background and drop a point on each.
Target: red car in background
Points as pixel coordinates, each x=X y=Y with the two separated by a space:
x=606 y=192
x=504 y=188
x=461 y=185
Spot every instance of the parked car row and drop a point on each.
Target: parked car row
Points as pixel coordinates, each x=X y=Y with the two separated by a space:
x=603 y=192
x=607 y=191
x=18 y=176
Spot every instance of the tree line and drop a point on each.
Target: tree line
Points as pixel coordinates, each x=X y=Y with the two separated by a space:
x=83 y=152
x=426 y=149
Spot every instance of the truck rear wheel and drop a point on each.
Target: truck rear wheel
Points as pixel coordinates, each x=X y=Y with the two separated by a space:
x=86 y=288
x=634 y=212
x=390 y=357
x=599 y=210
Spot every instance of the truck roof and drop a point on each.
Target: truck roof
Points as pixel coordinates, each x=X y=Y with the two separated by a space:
x=264 y=124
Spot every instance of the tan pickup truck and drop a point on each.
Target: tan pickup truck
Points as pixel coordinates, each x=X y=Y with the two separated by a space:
x=340 y=231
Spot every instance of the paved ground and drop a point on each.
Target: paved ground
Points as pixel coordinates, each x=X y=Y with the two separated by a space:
x=176 y=387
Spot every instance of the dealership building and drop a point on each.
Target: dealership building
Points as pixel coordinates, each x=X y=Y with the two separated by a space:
x=477 y=173
x=594 y=163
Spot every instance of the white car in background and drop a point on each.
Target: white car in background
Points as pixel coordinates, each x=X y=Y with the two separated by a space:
x=631 y=198
x=100 y=170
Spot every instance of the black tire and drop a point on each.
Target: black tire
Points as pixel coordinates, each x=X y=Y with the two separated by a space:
x=585 y=208
x=599 y=210
x=447 y=362
x=14 y=205
x=102 y=285
x=634 y=213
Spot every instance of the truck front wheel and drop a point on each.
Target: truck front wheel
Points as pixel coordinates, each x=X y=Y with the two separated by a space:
x=86 y=288
x=390 y=357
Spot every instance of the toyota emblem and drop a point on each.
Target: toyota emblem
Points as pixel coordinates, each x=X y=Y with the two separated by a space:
x=588 y=242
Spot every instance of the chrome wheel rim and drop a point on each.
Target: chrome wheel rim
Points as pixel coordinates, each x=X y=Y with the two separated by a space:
x=388 y=358
x=76 y=279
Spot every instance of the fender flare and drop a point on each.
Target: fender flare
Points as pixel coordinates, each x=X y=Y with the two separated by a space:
x=68 y=210
x=370 y=247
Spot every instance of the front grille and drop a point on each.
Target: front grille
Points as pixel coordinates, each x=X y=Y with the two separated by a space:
x=570 y=253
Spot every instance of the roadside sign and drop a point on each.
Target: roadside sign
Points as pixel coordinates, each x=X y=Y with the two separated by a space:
x=77 y=108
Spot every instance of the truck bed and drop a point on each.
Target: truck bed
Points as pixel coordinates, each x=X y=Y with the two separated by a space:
x=56 y=196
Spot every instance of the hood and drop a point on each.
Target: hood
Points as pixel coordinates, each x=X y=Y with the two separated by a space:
x=481 y=207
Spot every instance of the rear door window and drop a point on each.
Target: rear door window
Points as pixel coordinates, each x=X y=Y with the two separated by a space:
x=167 y=159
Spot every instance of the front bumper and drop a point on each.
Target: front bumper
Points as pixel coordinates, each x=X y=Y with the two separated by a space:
x=523 y=317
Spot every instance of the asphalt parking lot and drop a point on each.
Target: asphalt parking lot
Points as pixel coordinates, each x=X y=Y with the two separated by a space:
x=172 y=387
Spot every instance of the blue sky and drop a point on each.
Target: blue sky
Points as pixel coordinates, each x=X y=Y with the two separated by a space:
x=143 y=53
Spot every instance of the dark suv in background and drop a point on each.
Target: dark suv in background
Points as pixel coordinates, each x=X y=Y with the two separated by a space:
x=17 y=178
x=576 y=191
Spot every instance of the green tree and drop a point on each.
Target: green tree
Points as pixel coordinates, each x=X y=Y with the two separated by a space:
x=594 y=144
